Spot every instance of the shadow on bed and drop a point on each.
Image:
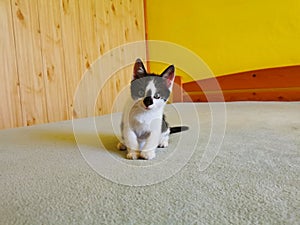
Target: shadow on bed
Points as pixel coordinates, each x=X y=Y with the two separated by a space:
x=54 y=136
x=109 y=141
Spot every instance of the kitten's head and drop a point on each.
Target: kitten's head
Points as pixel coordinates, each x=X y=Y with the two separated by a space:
x=151 y=90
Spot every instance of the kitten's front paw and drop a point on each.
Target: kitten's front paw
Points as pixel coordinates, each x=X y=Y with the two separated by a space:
x=121 y=146
x=133 y=155
x=147 y=155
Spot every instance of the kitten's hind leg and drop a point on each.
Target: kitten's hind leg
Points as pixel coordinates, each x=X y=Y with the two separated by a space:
x=121 y=146
x=164 y=139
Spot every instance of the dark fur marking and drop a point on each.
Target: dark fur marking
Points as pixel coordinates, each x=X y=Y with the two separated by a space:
x=164 y=124
x=144 y=135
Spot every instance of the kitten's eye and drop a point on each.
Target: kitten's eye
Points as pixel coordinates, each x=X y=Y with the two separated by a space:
x=156 y=96
x=141 y=93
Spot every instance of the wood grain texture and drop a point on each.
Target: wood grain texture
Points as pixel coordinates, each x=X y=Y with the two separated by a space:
x=49 y=46
x=89 y=42
x=27 y=36
x=71 y=39
x=10 y=109
x=123 y=20
x=53 y=60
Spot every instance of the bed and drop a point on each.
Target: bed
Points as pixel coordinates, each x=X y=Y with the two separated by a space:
x=238 y=163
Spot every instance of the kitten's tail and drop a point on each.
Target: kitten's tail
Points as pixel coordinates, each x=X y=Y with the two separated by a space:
x=178 y=129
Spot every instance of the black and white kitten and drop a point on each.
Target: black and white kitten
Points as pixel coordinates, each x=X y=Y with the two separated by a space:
x=143 y=125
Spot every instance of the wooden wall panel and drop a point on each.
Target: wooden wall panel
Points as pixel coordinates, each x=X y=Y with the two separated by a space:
x=49 y=46
x=114 y=87
x=10 y=106
x=123 y=20
x=29 y=61
x=53 y=60
x=71 y=39
x=89 y=41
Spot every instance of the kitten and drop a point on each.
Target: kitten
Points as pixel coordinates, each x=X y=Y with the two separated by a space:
x=143 y=125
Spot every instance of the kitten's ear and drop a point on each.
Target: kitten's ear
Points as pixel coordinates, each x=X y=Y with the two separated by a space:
x=138 y=69
x=168 y=75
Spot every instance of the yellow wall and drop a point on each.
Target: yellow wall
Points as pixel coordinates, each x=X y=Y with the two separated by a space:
x=229 y=35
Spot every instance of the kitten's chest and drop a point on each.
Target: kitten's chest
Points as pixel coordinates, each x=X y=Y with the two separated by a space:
x=143 y=121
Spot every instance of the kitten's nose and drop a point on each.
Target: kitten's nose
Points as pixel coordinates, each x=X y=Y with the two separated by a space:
x=148 y=101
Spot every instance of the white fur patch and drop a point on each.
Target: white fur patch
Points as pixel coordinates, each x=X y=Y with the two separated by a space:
x=151 y=87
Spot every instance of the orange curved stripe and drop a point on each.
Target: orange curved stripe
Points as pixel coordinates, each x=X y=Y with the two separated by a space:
x=271 y=84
